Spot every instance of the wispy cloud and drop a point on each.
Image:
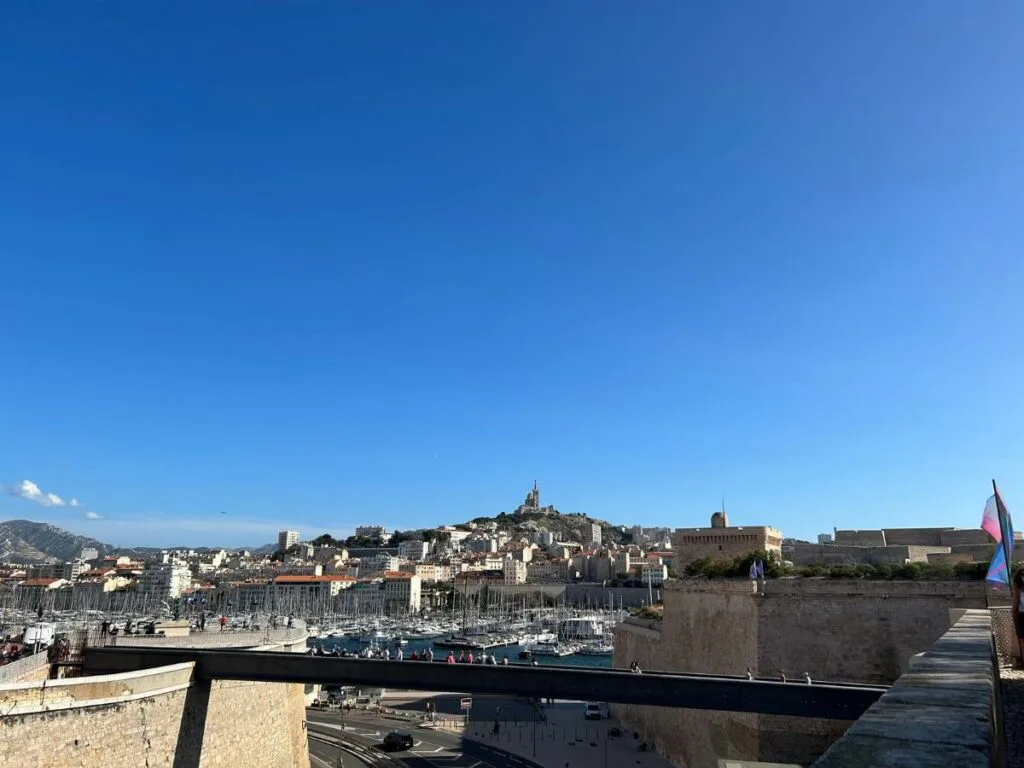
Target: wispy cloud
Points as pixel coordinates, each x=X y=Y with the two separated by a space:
x=29 y=491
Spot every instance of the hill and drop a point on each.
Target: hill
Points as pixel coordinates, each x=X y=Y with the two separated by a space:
x=23 y=541
x=573 y=526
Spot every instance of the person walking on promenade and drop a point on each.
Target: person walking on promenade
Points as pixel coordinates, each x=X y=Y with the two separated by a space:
x=223 y=621
x=451 y=658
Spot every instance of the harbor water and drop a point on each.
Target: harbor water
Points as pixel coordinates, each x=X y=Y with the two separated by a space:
x=420 y=645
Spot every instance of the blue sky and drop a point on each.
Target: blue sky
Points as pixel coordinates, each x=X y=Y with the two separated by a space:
x=321 y=264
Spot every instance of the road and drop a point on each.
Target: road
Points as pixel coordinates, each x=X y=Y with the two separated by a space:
x=432 y=749
x=323 y=755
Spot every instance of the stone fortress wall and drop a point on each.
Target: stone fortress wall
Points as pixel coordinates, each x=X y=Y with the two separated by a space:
x=836 y=630
x=895 y=546
x=722 y=541
x=156 y=716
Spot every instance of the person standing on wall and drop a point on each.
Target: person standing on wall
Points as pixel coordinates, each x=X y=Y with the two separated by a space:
x=1017 y=601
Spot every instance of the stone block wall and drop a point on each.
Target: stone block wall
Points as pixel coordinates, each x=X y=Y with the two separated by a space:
x=157 y=716
x=853 y=631
x=841 y=554
x=860 y=538
x=141 y=732
x=84 y=722
x=965 y=537
x=254 y=725
x=34 y=667
x=943 y=712
x=838 y=630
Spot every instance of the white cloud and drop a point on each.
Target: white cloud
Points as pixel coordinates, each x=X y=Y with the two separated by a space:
x=91 y=515
x=29 y=491
x=73 y=503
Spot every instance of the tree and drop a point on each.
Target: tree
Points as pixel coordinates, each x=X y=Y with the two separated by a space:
x=325 y=540
x=399 y=536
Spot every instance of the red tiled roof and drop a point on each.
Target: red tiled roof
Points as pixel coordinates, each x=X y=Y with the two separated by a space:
x=39 y=582
x=294 y=579
x=397 y=575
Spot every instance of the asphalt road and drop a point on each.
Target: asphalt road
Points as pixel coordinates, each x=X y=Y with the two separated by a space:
x=326 y=756
x=432 y=749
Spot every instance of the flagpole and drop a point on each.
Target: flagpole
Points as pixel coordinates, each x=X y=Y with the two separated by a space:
x=1004 y=529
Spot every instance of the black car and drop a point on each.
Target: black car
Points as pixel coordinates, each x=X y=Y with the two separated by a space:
x=398 y=740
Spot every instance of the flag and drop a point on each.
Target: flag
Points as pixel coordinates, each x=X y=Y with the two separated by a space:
x=760 y=568
x=996 y=575
x=753 y=570
x=990 y=519
x=996 y=521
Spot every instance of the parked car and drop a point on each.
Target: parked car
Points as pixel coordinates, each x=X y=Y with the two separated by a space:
x=592 y=711
x=398 y=740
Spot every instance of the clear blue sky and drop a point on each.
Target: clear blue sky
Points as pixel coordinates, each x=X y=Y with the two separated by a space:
x=321 y=264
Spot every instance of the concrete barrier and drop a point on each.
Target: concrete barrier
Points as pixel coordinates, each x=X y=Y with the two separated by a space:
x=943 y=712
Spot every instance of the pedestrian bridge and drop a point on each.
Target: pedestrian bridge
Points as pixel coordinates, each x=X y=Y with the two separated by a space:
x=693 y=691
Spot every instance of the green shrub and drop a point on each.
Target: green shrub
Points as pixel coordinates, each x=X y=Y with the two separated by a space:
x=739 y=567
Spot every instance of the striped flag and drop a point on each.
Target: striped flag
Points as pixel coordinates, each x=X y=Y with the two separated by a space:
x=996 y=521
x=990 y=519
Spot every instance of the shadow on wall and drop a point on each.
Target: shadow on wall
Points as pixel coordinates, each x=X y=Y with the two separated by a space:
x=192 y=730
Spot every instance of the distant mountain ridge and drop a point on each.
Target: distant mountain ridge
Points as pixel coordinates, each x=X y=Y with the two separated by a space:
x=24 y=541
x=27 y=542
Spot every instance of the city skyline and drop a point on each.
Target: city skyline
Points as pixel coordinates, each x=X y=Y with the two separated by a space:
x=411 y=261
x=306 y=532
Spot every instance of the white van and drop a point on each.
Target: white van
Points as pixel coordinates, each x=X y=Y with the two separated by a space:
x=592 y=711
x=41 y=633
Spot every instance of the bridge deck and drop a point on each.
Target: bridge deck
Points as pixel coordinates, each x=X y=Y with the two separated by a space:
x=733 y=694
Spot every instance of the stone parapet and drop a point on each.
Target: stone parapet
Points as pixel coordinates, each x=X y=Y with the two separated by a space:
x=942 y=712
x=212 y=638
x=96 y=690
x=34 y=667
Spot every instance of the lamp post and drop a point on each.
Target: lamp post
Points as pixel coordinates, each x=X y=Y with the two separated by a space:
x=535 y=732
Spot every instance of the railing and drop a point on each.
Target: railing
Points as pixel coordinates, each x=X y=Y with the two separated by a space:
x=211 y=638
x=1006 y=636
x=16 y=670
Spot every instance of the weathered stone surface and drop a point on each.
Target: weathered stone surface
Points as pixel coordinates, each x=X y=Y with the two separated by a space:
x=835 y=630
x=257 y=725
x=965 y=726
x=871 y=752
x=943 y=713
